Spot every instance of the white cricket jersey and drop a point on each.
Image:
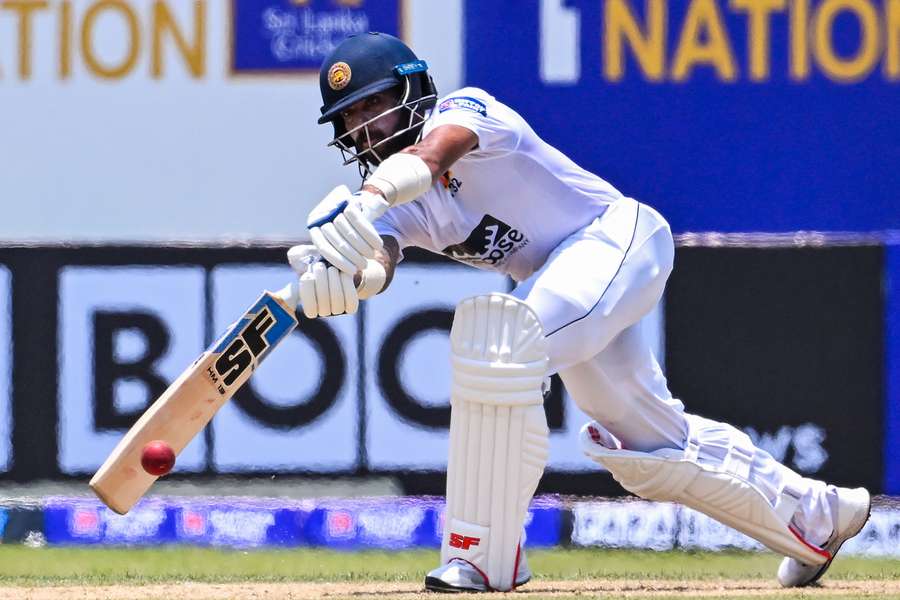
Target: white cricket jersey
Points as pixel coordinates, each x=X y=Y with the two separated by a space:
x=505 y=205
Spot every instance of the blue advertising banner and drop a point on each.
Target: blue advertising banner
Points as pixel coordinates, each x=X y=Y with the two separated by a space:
x=726 y=115
x=340 y=523
x=294 y=36
x=408 y=522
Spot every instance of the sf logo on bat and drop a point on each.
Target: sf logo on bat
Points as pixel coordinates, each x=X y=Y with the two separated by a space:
x=243 y=350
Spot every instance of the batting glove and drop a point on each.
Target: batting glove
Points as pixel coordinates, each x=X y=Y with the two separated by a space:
x=341 y=229
x=324 y=290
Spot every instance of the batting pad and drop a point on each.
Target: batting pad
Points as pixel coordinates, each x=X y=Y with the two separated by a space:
x=498 y=433
x=710 y=475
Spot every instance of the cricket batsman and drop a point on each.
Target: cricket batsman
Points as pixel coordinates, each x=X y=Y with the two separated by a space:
x=464 y=175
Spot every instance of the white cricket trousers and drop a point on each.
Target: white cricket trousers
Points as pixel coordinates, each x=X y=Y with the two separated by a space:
x=592 y=295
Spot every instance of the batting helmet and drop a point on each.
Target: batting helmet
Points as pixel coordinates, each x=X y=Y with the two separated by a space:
x=363 y=65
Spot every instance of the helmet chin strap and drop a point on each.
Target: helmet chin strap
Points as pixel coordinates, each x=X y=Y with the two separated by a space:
x=346 y=144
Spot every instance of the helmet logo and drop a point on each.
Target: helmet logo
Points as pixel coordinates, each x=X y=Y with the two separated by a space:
x=339 y=76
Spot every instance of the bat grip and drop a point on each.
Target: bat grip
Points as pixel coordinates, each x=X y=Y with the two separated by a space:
x=290 y=294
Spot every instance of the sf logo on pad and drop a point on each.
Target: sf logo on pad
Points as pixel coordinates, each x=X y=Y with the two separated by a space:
x=463 y=542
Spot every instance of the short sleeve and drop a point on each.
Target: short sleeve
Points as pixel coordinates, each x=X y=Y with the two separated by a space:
x=497 y=126
x=406 y=224
x=386 y=225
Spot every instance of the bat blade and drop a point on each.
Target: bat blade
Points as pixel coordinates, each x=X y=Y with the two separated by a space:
x=190 y=402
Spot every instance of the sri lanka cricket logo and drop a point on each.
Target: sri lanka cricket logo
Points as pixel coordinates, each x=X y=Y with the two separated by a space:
x=339 y=76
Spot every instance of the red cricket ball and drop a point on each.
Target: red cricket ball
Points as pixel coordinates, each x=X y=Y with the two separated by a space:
x=157 y=458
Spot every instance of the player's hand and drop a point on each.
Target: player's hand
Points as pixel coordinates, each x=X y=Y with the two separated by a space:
x=341 y=228
x=324 y=290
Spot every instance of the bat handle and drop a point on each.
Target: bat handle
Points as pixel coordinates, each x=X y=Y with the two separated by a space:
x=290 y=294
x=302 y=258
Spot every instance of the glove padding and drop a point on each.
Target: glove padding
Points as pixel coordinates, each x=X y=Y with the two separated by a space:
x=324 y=290
x=341 y=228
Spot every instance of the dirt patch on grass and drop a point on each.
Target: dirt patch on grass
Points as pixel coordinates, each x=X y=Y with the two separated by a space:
x=413 y=591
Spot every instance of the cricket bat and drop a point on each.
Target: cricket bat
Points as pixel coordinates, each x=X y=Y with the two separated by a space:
x=186 y=407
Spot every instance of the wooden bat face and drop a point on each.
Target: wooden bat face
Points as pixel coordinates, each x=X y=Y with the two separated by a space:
x=248 y=341
x=190 y=402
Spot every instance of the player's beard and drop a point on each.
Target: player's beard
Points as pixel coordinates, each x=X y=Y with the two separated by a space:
x=381 y=150
x=355 y=146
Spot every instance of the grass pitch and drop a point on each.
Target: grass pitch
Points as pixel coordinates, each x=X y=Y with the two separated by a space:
x=188 y=573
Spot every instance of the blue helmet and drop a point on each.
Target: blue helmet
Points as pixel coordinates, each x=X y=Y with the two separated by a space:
x=363 y=65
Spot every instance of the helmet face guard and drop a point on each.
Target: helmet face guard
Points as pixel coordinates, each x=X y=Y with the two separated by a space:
x=364 y=65
x=406 y=135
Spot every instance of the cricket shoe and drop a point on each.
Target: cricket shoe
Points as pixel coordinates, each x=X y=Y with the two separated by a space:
x=851 y=508
x=460 y=576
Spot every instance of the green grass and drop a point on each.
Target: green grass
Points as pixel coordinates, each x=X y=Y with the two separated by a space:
x=148 y=565
x=46 y=566
x=627 y=564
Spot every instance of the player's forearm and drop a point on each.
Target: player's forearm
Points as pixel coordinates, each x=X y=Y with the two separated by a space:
x=378 y=276
x=388 y=257
x=441 y=148
x=406 y=175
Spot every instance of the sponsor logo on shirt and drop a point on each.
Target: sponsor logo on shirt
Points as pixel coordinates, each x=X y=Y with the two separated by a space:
x=489 y=244
x=463 y=103
x=451 y=183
